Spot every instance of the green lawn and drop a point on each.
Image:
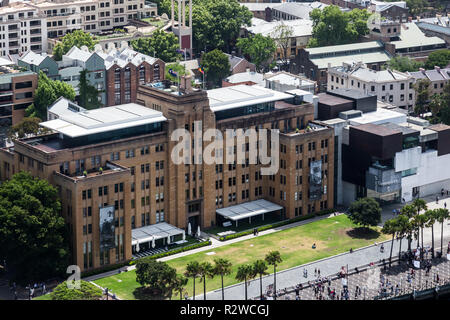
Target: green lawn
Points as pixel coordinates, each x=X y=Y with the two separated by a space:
x=332 y=236
x=43 y=297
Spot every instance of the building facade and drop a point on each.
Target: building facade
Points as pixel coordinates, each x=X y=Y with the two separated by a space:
x=142 y=184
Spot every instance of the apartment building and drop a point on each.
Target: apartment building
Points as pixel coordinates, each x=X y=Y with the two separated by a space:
x=142 y=194
x=390 y=86
x=438 y=78
x=17 y=88
x=22 y=28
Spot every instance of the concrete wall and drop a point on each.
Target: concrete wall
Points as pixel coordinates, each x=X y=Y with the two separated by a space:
x=407 y=159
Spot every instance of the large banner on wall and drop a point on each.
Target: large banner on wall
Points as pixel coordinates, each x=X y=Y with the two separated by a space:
x=107 y=228
x=315 y=181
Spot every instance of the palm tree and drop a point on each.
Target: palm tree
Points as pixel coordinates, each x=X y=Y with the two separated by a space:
x=245 y=272
x=179 y=283
x=419 y=205
x=420 y=221
x=431 y=220
x=192 y=271
x=390 y=227
x=442 y=215
x=206 y=270
x=259 y=268
x=403 y=228
x=222 y=267
x=409 y=212
x=274 y=258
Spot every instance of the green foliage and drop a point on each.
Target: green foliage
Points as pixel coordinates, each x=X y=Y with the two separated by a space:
x=33 y=235
x=365 y=212
x=422 y=95
x=178 y=68
x=87 y=291
x=88 y=97
x=157 y=277
x=440 y=58
x=331 y=26
x=216 y=66
x=76 y=38
x=282 y=35
x=273 y=258
x=259 y=49
x=47 y=92
x=440 y=106
x=217 y=23
x=161 y=45
x=28 y=126
x=404 y=64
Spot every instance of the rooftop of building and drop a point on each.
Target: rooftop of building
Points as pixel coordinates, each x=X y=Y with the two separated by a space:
x=299 y=9
x=381 y=115
x=63 y=106
x=242 y=95
x=108 y=169
x=349 y=93
x=405 y=130
x=290 y=79
x=7 y=72
x=259 y=6
x=123 y=56
x=14 y=7
x=345 y=48
x=361 y=71
x=439 y=127
x=332 y=100
x=379 y=130
x=365 y=57
x=73 y=123
x=436 y=74
x=299 y=27
x=33 y=58
x=411 y=36
x=255 y=77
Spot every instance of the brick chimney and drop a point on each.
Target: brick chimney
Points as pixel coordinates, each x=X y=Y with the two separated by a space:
x=185 y=83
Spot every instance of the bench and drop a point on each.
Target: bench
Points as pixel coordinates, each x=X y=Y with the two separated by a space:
x=227 y=224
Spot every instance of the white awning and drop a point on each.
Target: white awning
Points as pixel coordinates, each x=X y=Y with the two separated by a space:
x=158 y=231
x=248 y=209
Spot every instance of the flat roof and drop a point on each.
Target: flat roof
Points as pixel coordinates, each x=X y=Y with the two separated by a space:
x=412 y=36
x=345 y=47
x=332 y=100
x=381 y=115
x=248 y=209
x=89 y=122
x=154 y=231
x=350 y=93
x=379 y=130
x=242 y=95
x=403 y=129
x=365 y=57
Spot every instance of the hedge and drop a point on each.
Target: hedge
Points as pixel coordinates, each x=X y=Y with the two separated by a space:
x=175 y=251
x=277 y=224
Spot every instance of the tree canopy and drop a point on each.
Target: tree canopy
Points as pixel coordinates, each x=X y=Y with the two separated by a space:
x=365 y=212
x=216 y=66
x=161 y=44
x=47 y=92
x=158 y=278
x=258 y=49
x=32 y=232
x=28 y=126
x=404 y=64
x=88 y=97
x=87 y=291
x=332 y=26
x=440 y=58
x=422 y=95
x=76 y=38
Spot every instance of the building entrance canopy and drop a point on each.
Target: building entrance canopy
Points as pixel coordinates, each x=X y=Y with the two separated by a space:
x=154 y=232
x=248 y=210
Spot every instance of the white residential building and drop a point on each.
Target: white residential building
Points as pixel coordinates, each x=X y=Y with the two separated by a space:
x=391 y=86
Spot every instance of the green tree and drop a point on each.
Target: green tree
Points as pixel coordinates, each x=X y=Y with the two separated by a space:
x=161 y=44
x=156 y=277
x=33 y=234
x=86 y=291
x=332 y=26
x=422 y=95
x=390 y=227
x=440 y=106
x=403 y=229
x=179 y=284
x=192 y=271
x=216 y=66
x=404 y=64
x=442 y=215
x=244 y=273
x=222 y=268
x=258 y=49
x=206 y=270
x=76 y=38
x=27 y=126
x=217 y=23
x=432 y=216
x=419 y=205
x=273 y=258
x=88 y=97
x=47 y=92
x=260 y=268
x=178 y=68
x=409 y=211
x=440 y=58
x=365 y=212
x=282 y=35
